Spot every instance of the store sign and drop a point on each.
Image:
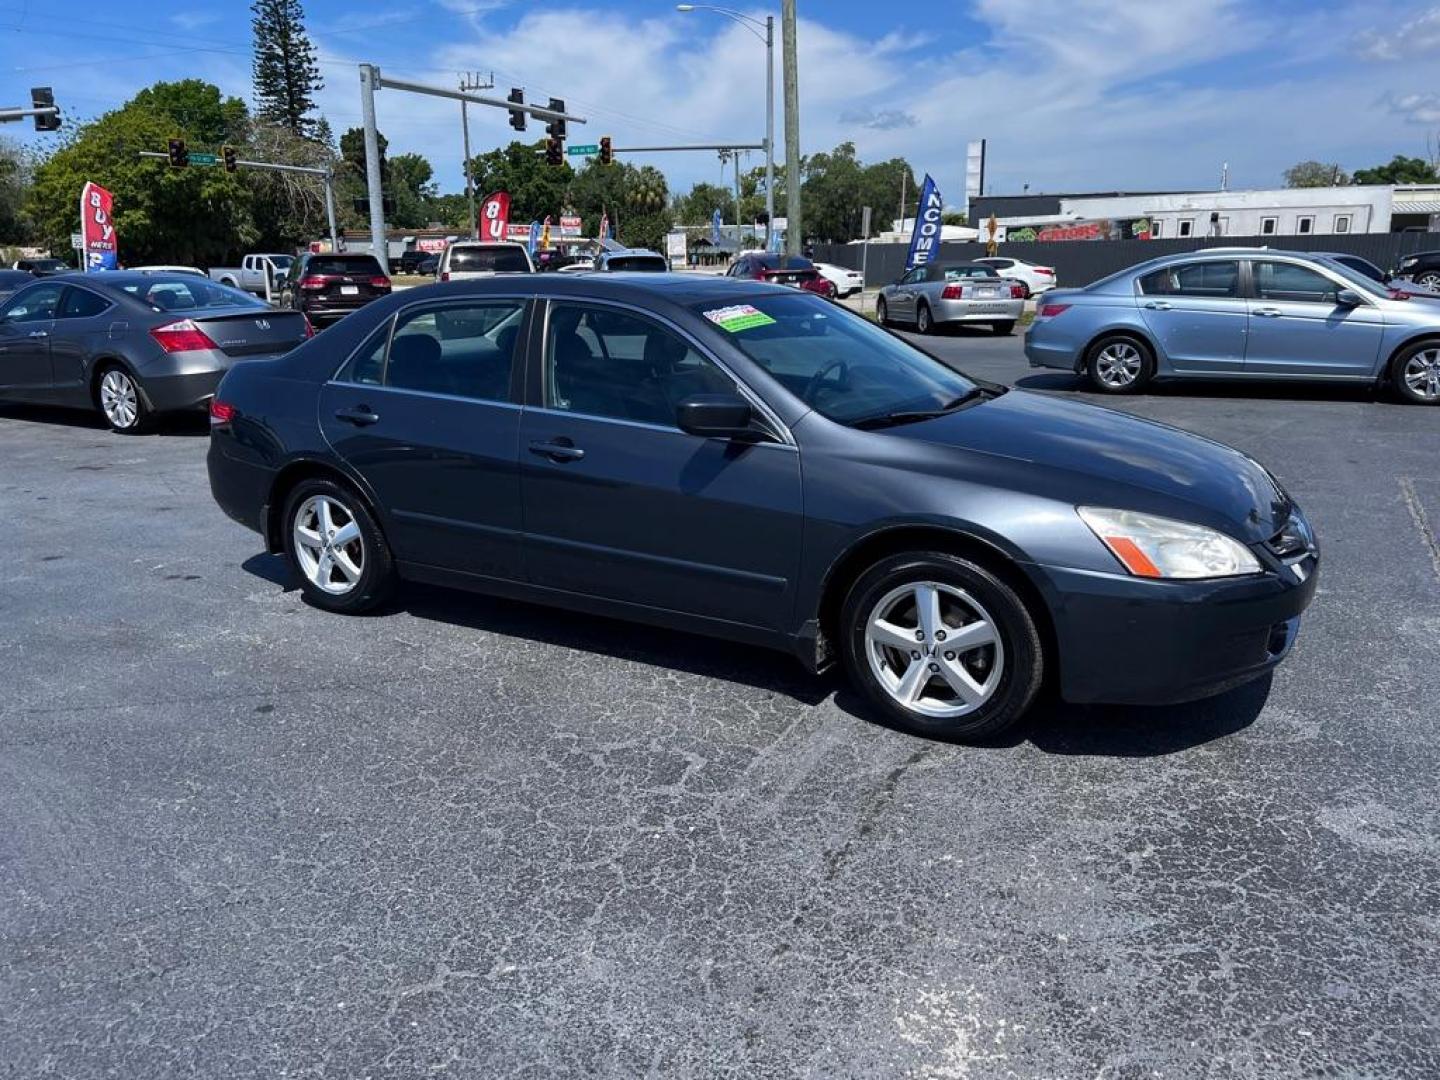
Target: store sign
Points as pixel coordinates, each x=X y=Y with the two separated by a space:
x=431 y=245
x=570 y=225
x=97 y=229
x=1090 y=230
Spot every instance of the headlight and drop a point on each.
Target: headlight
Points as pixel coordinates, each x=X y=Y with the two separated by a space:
x=1158 y=547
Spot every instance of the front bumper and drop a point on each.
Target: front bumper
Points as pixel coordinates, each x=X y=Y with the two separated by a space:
x=977 y=311
x=1133 y=641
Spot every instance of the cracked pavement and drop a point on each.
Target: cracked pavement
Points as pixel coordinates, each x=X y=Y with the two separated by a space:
x=467 y=837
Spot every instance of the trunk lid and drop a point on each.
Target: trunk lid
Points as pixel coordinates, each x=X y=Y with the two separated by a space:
x=243 y=332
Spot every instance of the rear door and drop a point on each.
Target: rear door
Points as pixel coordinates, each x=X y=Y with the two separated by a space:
x=1197 y=314
x=25 y=326
x=1298 y=328
x=429 y=416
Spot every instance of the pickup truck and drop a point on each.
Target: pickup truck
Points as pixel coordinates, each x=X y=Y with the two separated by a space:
x=252 y=272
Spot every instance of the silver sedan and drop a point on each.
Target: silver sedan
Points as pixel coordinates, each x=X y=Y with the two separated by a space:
x=940 y=294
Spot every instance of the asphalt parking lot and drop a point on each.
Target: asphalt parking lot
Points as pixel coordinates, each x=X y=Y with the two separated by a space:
x=240 y=837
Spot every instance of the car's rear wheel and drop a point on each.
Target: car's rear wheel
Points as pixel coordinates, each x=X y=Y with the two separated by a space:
x=1119 y=365
x=120 y=400
x=941 y=646
x=1416 y=373
x=336 y=548
x=1005 y=328
x=924 y=324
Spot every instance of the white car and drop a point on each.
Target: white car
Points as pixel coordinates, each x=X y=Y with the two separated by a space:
x=165 y=269
x=1036 y=279
x=847 y=282
x=477 y=258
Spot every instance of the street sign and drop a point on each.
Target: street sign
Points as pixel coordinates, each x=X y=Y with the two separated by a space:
x=587 y=150
x=77 y=241
x=204 y=159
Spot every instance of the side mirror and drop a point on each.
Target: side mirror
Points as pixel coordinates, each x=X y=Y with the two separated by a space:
x=1348 y=298
x=714 y=415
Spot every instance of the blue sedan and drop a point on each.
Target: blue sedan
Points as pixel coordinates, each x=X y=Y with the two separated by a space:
x=1241 y=314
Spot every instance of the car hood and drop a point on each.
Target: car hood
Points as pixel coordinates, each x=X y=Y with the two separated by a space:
x=1089 y=455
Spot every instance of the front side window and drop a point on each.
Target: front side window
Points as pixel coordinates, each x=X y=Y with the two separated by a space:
x=1217 y=279
x=608 y=363
x=914 y=277
x=842 y=365
x=81 y=304
x=33 y=305
x=1293 y=283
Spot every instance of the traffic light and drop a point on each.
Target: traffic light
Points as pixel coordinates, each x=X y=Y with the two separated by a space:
x=554 y=151
x=227 y=153
x=607 y=156
x=556 y=127
x=42 y=97
x=517 y=116
x=179 y=155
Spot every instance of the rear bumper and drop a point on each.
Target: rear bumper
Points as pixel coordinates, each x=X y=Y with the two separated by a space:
x=334 y=309
x=240 y=488
x=1042 y=354
x=1124 y=640
x=977 y=311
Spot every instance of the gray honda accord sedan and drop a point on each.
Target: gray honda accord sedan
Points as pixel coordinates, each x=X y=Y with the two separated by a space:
x=750 y=461
x=132 y=344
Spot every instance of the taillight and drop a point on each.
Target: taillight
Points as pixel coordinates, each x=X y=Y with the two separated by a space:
x=222 y=412
x=314 y=281
x=761 y=275
x=445 y=276
x=182 y=336
x=1049 y=311
x=379 y=281
x=1043 y=270
x=1017 y=292
x=952 y=292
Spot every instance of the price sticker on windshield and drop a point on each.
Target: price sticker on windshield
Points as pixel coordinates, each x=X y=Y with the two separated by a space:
x=738 y=317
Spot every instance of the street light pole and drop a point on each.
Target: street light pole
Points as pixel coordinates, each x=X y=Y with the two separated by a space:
x=793 y=225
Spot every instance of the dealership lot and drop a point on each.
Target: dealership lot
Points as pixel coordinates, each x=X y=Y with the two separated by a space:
x=468 y=836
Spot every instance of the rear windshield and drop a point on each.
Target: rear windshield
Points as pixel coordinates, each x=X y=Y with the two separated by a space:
x=652 y=263
x=344 y=264
x=188 y=293
x=960 y=273
x=501 y=260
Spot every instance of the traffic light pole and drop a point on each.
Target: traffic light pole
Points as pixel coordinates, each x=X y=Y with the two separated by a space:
x=326 y=175
x=10 y=115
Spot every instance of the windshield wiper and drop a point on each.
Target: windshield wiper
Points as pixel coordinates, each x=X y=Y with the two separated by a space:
x=884 y=420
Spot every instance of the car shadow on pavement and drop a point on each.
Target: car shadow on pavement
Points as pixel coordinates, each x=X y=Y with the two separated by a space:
x=186 y=423
x=1254 y=391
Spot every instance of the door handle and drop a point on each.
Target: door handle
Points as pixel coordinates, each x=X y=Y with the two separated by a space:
x=1159 y=305
x=38 y=333
x=560 y=450
x=361 y=416
x=1269 y=312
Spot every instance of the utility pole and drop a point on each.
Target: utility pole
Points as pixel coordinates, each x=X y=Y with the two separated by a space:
x=369 y=76
x=794 y=227
x=468 y=83
x=904 y=176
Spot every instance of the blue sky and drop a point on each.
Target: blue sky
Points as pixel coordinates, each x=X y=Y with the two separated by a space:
x=1071 y=94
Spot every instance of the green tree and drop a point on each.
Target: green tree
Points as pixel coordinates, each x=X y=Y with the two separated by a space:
x=197 y=215
x=536 y=189
x=647 y=199
x=1400 y=170
x=15 y=179
x=286 y=76
x=881 y=186
x=289 y=208
x=1315 y=174
x=952 y=217
x=197 y=109
x=700 y=203
x=412 y=187
x=599 y=190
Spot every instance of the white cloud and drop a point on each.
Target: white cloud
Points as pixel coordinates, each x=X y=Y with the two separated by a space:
x=1419 y=36
x=1415 y=108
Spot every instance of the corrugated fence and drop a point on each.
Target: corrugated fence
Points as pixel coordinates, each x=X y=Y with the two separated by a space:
x=1079 y=262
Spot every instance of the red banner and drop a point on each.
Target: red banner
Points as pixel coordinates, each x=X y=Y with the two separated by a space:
x=1088 y=231
x=494 y=216
x=98 y=247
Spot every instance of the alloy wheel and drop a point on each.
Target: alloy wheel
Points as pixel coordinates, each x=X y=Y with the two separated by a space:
x=1119 y=364
x=119 y=400
x=1428 y=281
x=328 y=545
x=1422 y=374
x=922 y=319
x=934 y=649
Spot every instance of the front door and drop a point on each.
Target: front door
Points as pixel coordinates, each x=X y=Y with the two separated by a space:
x=1197 y=314
x=903 y=307
x=622 y=504
x=429 y=417
x=83 y=324
x=1298 y=328
x=25 y=326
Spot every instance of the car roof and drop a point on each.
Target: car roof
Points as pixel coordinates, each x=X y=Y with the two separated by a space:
x=485 y=244
x=681 y=289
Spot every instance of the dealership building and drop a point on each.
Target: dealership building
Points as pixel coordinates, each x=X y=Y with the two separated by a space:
x=1170 y=215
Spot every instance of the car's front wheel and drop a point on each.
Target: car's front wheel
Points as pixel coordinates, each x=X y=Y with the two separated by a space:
x=1430 y=281
x=1119 y=365
x=941 y=646
x=120 y=400
x=336 y=548
x=1416 y=373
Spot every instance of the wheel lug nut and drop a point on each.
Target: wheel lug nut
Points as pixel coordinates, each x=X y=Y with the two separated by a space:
x=949 y=656
x=934 y=667
x=915 y=655
x=939 y=635
x=919 y=635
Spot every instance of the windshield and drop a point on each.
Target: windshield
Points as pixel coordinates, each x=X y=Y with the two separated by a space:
x=501 y=260
x=845 y=367
x=188 y=293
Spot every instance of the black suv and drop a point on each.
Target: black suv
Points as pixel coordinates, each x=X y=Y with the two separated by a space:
x=326 y=287
x=1422 y=269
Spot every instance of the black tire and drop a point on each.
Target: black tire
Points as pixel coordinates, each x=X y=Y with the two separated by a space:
x=882 y=312
x=1416 y=394
x=1006 y=328
x=1429 y=280
x=1094 y=359
x=1021 y=673
x=114 y=382
x=377 y=577
x=924 y=321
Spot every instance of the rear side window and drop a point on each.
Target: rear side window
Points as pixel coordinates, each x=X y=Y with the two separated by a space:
x=1287 y=281
x=463 y=350
x=500 y=260
x=81 y=304
x=188 y=293
x=354 y=265
x=1219 y=279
